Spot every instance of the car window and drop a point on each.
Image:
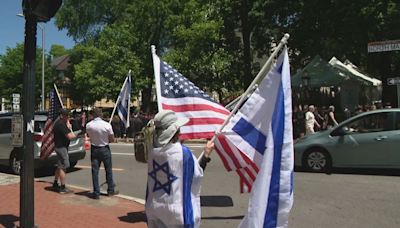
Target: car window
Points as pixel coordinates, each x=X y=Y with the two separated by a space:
x=377 y=122
x=5 y=126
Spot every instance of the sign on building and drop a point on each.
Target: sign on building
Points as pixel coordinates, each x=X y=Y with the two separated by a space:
x=382 y=46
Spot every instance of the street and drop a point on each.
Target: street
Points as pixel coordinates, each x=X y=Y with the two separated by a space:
x=346 y=198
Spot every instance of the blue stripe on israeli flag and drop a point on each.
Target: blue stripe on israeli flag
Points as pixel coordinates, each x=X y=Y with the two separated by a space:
x=124 y=102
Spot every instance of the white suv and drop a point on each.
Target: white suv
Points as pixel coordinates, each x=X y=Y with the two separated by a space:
x=10 y=155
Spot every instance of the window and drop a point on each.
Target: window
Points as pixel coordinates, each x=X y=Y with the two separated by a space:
x=372 y=123
x=5 y=126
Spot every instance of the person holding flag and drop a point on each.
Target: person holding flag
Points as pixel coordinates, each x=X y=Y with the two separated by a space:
x=174 y=177
x=62 y=136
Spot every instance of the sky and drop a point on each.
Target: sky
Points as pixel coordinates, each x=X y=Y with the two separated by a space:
x=12 y=29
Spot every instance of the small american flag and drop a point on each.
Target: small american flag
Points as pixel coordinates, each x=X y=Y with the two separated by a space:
x=48 y=137
x=177 y=93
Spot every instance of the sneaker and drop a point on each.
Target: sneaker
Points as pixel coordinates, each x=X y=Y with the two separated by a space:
x=65 y=191
x=55 y=187
x=96 y=197
x=116 y=192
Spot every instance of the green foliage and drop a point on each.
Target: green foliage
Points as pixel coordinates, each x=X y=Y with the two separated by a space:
x=12 y=72
x=58 y=51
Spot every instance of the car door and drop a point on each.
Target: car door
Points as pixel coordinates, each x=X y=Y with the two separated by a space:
x=364 y=142
x=393 y=143
x=5 y=138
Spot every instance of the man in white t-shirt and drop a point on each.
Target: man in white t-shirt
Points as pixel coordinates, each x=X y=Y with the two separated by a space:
x=101 y=134
x=310 y=120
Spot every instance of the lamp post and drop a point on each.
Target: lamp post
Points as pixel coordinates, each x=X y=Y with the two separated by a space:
x=306 y=81
x=43 y=29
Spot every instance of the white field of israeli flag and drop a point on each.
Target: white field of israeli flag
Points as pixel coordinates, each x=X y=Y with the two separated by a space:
x=124 y=102
x=262 y=129
x=173 y=188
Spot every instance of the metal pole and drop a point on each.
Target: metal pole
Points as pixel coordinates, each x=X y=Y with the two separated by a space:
x=43 y=100
x=28 y=110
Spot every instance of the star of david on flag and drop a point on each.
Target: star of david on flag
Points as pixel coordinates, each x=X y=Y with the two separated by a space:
x=170 y=178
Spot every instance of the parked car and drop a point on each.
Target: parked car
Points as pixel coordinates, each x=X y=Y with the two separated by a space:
x=9 y=155
x=368 y=140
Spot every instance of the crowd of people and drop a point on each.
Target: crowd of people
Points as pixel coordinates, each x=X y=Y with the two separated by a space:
x=309 y=119
x=136 y=121
x=136 y=124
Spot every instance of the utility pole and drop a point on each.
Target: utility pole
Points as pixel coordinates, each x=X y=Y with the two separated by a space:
x=28 y=109
x=34 y=11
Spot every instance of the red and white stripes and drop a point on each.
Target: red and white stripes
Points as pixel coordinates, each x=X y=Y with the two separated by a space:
x=48 y=140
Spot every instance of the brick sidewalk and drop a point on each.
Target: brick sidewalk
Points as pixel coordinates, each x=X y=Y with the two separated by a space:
x=76 y=210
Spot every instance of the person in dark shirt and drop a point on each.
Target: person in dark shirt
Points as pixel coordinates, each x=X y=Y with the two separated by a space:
x=63 y=134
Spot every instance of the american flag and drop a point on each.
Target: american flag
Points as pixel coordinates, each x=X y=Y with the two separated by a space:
x=48 y=137
x=177 y=93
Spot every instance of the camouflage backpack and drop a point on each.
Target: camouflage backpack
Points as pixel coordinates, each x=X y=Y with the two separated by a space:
x=143 y=141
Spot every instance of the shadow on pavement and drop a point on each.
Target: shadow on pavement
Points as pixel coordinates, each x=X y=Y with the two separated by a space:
x=216 y=201
x=40 y=172
x=222 y=218
x=50 y=171
x=88 y=194
x=359 y=171
x=134 y=217
x=8 y=220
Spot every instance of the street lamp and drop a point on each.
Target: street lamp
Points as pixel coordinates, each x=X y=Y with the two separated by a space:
x=305 y=78
x=41 y=27
x=306 y=82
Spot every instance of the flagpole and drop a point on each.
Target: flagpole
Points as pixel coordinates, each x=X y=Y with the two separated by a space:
x=260 y=74
x=156 y=67
x=119 y=97
x=58 y=95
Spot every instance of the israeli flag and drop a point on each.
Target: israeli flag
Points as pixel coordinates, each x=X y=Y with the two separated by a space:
x=173 y=188
x=124 y=102
x=262 y=129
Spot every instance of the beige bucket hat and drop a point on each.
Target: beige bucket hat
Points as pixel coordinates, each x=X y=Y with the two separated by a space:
x=166 y=123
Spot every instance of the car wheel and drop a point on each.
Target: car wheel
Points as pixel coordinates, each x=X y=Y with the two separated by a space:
x=317 y=160
x=15 y=163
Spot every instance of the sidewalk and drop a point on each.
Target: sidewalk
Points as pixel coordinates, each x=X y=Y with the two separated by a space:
x=76 y=210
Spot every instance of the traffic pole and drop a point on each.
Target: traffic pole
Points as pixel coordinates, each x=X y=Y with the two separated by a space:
x=28 y=110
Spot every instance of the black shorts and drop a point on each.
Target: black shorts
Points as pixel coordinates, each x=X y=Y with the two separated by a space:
x=63 y=158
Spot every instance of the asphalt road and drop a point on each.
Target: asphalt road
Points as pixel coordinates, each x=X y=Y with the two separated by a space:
x=346 y=198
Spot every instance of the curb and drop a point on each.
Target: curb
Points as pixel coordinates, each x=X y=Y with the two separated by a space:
x=130 y=198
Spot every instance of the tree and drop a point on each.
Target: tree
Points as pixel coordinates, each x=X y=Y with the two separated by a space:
x=58 y=51
x=200 y=52
x=143 y=20
x=12 y=72
x=98 y=69
x=343 y=29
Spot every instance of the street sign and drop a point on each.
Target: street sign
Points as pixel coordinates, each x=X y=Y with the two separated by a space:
x=16 y=95
x=393 y=81
x=382 y=46
x=16 y=100
x=17 y=133
x=16 y=107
